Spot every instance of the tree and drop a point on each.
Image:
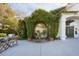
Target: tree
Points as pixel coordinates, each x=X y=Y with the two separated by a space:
x=7 y=16
x=22 y=31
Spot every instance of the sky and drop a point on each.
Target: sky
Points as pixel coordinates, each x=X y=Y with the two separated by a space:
x=25 y=9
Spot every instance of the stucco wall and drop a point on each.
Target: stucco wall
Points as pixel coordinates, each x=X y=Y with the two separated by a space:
x=77 y=26
x=73 y=7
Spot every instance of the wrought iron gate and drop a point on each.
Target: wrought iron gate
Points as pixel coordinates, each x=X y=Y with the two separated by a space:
x=70 y=32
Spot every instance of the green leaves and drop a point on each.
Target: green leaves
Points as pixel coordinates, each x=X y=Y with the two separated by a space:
x=37 y=17
x=22 y=31
x=50 y=19
x=7 y=16
x=56 y=14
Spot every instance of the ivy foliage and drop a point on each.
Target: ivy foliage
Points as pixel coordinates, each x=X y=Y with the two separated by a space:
x=56 y=14
x=22 y=31
x=38 y=16
x=50 y=19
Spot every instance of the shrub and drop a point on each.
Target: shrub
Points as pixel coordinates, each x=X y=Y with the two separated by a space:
x=22 y=31
x=2 y=34
x=50 y=19
x=38 y=16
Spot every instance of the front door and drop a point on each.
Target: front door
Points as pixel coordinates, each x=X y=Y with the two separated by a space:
x=70 y=32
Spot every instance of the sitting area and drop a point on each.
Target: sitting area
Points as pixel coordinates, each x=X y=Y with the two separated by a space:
x=8 y=41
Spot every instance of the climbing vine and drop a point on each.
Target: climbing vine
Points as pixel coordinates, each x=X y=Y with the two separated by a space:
x=22 y=31
x=51 y=19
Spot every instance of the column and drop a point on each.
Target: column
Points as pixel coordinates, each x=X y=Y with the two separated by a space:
x=63 y=28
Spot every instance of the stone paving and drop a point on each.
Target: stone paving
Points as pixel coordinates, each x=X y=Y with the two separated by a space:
x=69 y=47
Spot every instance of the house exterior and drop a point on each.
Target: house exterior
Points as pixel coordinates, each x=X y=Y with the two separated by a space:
x=69 y=22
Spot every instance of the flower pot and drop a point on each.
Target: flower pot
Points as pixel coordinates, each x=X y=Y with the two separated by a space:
x=30 y=39
x=51 y=39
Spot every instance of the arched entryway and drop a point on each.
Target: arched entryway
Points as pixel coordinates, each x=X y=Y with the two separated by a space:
x=40 y=31
x=72 y=27
x=69 y=29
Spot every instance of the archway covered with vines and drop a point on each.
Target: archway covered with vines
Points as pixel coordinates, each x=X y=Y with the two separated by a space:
x=49 y=19
x=40 y=31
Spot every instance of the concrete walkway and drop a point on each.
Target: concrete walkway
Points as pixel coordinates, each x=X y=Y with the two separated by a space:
x=68 y=47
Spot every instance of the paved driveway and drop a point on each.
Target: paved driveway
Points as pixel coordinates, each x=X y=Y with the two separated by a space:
x=68 y=47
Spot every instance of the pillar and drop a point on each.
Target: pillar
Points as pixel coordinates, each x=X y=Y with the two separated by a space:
x=63 y=28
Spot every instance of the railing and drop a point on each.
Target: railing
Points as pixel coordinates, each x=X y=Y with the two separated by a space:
x=7 y=42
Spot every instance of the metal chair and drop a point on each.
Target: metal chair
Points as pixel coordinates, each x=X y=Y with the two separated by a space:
x=3 y=45
x=12 y=41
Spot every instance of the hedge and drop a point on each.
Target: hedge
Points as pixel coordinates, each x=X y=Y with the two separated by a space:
x=50 y=19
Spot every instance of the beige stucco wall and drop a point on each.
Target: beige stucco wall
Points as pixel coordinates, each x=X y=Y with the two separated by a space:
x=73 y=7
x=70 y=7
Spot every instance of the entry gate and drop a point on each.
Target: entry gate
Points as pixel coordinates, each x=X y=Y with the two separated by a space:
x=70 y=32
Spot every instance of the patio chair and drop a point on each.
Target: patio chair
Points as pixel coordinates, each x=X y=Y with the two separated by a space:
x=12 y=40
x=3 y=45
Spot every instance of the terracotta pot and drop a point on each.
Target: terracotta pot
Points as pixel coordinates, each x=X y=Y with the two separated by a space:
x=51 y=39
x=30 y=39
